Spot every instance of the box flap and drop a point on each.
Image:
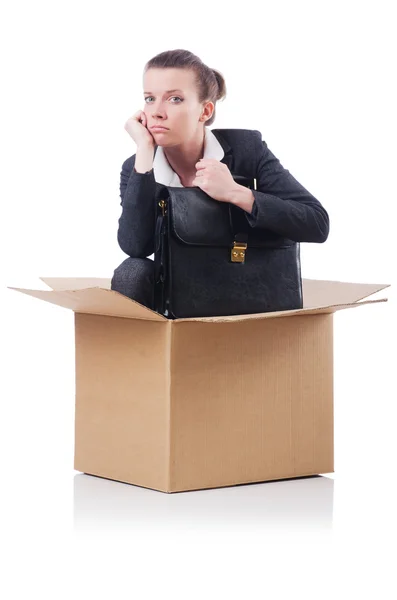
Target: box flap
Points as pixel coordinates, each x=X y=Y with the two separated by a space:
x=320 y=296
x=318 y=292
x=96 y=301
x=76 y=283
x=281 y=313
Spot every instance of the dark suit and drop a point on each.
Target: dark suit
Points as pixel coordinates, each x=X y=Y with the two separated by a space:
x=282 y=206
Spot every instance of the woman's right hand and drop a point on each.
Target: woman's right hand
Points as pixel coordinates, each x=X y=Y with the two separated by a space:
x=136 y=126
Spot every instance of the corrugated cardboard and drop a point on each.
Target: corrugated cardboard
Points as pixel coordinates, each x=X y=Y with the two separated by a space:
x=186 y=404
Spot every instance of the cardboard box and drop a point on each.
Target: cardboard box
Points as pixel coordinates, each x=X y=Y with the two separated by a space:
x=187 y=404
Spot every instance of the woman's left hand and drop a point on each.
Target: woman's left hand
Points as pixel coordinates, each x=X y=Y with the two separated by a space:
x=215 y=179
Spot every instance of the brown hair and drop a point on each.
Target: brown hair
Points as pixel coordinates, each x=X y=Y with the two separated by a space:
x=210 y=82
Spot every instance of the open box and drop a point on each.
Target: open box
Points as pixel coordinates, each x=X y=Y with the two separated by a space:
x=185 y=404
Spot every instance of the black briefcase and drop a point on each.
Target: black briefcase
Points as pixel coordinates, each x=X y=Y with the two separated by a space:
x=210 y=262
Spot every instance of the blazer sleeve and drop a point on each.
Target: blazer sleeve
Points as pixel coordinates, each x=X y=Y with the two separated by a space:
x=282 y=204
x=135 y=233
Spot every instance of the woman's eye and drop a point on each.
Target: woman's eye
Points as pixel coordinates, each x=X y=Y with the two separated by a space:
x=147 y=98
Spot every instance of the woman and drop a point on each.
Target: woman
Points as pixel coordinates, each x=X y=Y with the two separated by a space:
x=180 y=95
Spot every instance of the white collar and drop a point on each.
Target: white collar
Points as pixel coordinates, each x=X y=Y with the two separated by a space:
x=163 y=172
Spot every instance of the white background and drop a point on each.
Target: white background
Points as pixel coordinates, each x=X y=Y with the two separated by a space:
x=317 y=79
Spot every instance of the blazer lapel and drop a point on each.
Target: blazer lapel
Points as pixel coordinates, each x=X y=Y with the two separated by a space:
x=228 y=157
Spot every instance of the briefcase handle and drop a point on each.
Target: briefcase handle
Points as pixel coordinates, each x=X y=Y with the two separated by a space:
x=249 y=182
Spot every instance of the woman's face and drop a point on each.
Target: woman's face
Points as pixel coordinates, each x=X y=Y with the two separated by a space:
x=170 y=99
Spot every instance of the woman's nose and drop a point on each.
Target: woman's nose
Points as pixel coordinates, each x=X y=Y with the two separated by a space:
x=158 y=111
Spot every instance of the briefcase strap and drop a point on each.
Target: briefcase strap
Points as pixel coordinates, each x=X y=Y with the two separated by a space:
x=160 y=259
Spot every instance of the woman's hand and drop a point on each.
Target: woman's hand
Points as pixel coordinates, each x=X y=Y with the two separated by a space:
x=215 y=179
x=136 y=126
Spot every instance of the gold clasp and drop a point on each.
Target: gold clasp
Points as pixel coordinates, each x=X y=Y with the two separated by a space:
x=163 y=206
x=238 y=252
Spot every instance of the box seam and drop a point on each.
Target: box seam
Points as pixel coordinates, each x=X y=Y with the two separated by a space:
x=168 y=366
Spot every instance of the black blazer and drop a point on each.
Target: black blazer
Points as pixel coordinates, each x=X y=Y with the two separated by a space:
x=282 y=206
